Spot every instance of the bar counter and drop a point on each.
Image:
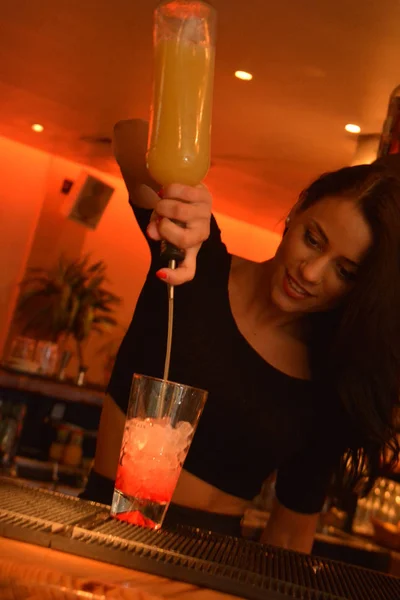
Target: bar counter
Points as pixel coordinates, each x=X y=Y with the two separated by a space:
x=33 y=566
x=55 y=546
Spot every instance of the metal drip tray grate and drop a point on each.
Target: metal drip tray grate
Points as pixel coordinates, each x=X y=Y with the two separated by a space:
x=226 y=564
x=38 y=503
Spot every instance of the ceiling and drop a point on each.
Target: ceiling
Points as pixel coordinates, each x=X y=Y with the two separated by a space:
x=79 y=67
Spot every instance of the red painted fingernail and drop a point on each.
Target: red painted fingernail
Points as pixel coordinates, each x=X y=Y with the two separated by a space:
x=161 y=194
x=161 y=275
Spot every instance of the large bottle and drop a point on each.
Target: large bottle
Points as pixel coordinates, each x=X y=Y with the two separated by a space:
x=180 y=120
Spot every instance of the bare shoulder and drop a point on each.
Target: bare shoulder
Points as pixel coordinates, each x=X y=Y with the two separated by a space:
x=243 y=274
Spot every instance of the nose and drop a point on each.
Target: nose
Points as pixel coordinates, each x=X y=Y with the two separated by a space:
x=313 y=269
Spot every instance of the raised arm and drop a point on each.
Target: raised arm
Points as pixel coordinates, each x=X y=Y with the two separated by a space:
x=129 y=145
x=189 y=205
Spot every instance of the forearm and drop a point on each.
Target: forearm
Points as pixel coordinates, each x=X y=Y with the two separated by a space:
x=289 y=529
x=299 y=541
x=130 y=146
x=100 y=483
x=109 y=439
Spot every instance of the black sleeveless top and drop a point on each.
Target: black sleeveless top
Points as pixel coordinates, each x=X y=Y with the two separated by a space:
x=257 y=419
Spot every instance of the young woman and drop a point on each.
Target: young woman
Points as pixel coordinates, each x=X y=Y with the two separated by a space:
x=300 y=354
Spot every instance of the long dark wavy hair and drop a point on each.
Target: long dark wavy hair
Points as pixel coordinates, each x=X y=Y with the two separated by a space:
x=356 y=347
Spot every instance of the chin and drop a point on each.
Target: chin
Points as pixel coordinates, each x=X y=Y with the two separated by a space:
x=285 y=304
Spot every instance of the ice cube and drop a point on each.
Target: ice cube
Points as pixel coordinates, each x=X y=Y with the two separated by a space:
x=183 y=434
x=185 y=429
x=157 y=438
x=137 y=435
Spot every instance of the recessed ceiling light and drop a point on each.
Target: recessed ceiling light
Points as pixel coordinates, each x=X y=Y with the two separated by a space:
x=37 y=127
x=244 y=75
x=351 y=128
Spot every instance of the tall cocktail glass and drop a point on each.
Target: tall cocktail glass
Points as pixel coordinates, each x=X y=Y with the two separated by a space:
x=160 y=424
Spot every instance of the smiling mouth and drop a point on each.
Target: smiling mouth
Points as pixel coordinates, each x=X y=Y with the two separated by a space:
x=294 y=289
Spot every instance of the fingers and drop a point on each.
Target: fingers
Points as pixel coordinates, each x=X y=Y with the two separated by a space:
x=194 y=195
x=182 y=211
x=152 y=228
x=191 y=207
x=196 y=232
x=184 y=272
x=182 y=218
x=164 y=229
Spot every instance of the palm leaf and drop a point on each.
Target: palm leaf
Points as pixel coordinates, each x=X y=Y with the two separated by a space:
x=97 y=329
x=105 y=308
x=36 y=281
x=74 y=308
x=103 y=319
x=95 y=282
x=99 y=267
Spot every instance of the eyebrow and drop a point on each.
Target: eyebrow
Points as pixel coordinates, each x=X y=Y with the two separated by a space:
x=326 y=240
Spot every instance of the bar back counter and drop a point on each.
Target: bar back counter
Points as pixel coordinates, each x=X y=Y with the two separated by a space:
x=236 y=567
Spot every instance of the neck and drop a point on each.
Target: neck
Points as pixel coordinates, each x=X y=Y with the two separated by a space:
x=260 y=305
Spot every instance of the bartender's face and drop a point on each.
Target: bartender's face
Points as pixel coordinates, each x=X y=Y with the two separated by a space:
x=317 y=261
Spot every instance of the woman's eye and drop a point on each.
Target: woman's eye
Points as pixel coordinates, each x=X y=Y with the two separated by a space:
x=310 y=239
x=345 y=274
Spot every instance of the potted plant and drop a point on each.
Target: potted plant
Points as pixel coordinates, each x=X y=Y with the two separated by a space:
x=69 y=300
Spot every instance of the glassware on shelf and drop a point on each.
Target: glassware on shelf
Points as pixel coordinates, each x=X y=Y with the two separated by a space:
x=23 y=348
x=72 y=455
x=22 y=355
x=46 y=355
x=57 y=447
x=382 y=503
x=12 y=415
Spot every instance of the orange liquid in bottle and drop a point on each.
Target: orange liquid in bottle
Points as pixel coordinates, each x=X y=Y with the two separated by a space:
x=180 y=128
